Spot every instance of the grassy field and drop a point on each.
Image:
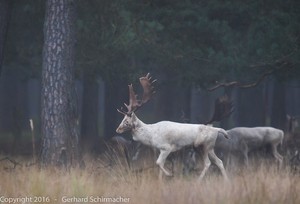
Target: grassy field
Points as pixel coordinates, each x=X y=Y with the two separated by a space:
x=100 y=182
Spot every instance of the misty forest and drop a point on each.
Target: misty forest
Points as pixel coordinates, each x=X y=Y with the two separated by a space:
x=65 y=69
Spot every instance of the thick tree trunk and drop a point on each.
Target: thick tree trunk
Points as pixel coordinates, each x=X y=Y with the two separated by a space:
x=5 y=10
x=59 y=114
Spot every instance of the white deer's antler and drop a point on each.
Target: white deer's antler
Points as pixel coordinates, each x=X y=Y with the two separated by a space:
x=134 y=103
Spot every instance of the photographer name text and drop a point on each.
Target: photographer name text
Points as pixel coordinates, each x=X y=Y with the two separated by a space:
x=65 y=199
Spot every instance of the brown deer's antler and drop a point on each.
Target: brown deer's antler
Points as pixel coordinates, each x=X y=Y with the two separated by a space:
x=223 y=108
x=134 y=103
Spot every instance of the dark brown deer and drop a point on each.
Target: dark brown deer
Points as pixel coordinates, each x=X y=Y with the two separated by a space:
x=292 y=142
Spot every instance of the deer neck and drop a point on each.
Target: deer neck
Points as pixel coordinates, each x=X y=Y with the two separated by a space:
x=140 y=132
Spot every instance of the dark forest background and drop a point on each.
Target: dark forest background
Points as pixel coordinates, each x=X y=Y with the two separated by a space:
x=190 y=46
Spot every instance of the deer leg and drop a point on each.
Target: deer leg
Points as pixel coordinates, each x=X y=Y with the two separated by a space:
x=245 y=154
x=189 y=162
x=218 y=162
x=229 y=159
x=277 y=155
x=206 y=164
x=137 y=151
x=161 y=162
x=246 y=158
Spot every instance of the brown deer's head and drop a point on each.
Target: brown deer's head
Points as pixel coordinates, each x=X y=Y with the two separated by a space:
x=223 y=108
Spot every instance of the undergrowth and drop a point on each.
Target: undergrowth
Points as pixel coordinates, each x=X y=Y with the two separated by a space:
x=106 y=181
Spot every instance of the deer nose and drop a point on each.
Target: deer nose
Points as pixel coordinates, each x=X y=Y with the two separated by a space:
x=118 y=130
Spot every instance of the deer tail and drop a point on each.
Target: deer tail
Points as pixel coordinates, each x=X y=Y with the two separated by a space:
x=224 y=133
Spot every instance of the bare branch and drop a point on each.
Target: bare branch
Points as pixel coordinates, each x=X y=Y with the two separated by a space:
x=240 y=85
x=277 y=65
x=15 y=163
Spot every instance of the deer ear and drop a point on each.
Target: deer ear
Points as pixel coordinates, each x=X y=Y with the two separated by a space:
x=133 y=116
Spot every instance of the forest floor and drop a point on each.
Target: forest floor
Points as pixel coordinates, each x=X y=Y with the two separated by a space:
x=106 y=182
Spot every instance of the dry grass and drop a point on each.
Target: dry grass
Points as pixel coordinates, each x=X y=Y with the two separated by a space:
x=260 y=185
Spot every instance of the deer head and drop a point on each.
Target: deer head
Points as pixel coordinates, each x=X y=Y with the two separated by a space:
x=129 y=119
x=223 y=108
x=292 y=123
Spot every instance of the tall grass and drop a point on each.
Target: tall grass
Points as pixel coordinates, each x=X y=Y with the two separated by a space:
x=262 y=184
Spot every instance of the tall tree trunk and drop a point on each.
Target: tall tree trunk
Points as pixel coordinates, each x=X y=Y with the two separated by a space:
x=5 y=12
x=13 y=105
x=165 y=108
x=225 y=122
x=115 y=95
x=89 y=121
x=278 y=116
x=251 y=107
x=59 y=114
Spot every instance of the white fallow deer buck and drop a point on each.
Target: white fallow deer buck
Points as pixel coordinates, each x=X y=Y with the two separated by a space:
x=168 y=136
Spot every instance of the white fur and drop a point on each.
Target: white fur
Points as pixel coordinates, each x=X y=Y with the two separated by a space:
x=244 y=139
x=169 y=137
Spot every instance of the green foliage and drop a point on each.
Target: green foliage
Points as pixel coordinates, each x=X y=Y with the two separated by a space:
x=200 y=42
x=207 y=42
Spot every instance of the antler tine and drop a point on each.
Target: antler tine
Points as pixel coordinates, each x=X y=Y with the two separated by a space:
x=121 y=111
x=133 y=103
x=223 y=108
x=147 y=88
